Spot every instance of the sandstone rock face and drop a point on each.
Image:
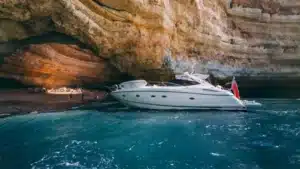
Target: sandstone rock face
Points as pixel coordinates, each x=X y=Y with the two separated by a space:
x=13 y=30
x=51 y=65
x=224 y=37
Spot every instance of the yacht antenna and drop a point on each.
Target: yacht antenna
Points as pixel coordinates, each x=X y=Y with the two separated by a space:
x=193 y=68
x=193 y=71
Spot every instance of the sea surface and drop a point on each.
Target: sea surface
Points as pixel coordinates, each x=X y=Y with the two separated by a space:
x=266 y=138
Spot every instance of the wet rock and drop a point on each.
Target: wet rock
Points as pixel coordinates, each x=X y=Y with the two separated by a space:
x=20 y=101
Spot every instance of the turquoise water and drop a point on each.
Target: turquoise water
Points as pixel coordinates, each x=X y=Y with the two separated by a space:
x=268 y=138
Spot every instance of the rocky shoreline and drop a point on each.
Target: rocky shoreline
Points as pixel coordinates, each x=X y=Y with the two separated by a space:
x=22 y=101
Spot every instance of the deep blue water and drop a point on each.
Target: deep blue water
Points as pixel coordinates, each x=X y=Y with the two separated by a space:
x=268 y=138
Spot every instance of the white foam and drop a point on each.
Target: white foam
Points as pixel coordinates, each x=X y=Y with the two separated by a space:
x=76 y=164
x=251 y=103
x=216 y=154
x=131 y=147
x=160 y=143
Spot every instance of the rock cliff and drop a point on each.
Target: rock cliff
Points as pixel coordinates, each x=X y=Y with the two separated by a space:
x=53 y=65
x=258 y=38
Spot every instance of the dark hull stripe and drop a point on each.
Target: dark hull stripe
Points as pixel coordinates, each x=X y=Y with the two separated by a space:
x=172 y=92
x=189 y=107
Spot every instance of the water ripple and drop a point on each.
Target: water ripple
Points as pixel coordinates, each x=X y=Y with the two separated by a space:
x=266 y=139
x=76 y=154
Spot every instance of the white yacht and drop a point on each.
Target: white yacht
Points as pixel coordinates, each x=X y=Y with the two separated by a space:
x=199 y=94
x=64 y=91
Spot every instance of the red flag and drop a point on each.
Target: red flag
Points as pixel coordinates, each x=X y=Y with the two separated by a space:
x=235 y=88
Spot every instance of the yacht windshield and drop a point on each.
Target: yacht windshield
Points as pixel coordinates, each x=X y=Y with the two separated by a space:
x=192 y=79
x=184 y=82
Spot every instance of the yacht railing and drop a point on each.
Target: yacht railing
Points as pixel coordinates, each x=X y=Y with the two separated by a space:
x=151 y=83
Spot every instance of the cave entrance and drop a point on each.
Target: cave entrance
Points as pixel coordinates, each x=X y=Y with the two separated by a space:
x=8 y=83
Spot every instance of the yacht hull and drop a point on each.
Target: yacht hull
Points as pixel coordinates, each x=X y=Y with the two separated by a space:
x=170 y=100
x=166 y=107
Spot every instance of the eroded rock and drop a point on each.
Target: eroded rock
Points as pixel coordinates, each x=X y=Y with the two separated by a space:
x=56 y=65
x=135 y=36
